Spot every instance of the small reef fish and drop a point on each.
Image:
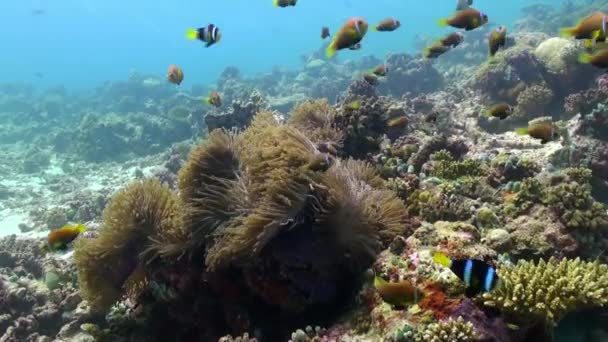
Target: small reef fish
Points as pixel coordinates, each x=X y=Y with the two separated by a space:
x=501 y=111
x=175 y=75
x=380 y=70
x=497 y=39
x=598 y=59
x=324 y=32
x=431 y=118
x=545 y=131
x=284 y=3
x=463 y=4
x=387 y=25
x=452 y=40
x=355 y=47
x=587 y=27
x=59 y=239
x=468 y=19
x=352 y=105
x=435 y=50
x=477 y=275
x=399 y=122
x=402 y=293
x=214 y=99
x=348 y=36
x=370 y=79
x=209 y=35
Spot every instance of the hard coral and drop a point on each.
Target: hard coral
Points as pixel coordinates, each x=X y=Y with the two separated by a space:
x=576 y=207
x=451 y=330
x=548 y=290
x=107 y=262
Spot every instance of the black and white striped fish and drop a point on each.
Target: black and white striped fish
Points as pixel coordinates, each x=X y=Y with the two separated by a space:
x=210 y=34
x=478 y=275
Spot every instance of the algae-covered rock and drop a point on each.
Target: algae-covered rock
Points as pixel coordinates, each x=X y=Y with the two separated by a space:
x=557 y=54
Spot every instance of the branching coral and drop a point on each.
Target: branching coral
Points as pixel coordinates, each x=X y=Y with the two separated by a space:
x=549 y=290
x=444 y=166
x=577 y=208
x=452 y=330
x=112 y=261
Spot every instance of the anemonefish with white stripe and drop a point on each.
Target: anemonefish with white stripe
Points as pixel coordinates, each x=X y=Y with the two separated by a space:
x=209 y=35
x=478 y=275
x=351 y=33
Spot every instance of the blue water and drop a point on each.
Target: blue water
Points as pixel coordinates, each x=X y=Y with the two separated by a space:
x=80 y=43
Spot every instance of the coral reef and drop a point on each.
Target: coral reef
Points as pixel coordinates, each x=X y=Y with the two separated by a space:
x=450 y=330
x=546 y=291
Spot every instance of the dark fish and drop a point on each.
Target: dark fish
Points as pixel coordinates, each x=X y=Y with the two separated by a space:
x=463 y=4
x=59 y=239
x=545 y=131
x=598 y=59
x=402 y=293
x=348 y=36
x=355 y=47
x=435 y=50
x=477 y=275
x=387 y=25
x=399 y=122
x=501 y=111
x=175 y=75
x=370 y=79
x=284 y=3
x=468 y=19
x=214 y=99
x=431 y=118
x=380 y=70
x=497 y=39
x=210 y=34
x=324 y=32
x=586 y=27
x=452 y=40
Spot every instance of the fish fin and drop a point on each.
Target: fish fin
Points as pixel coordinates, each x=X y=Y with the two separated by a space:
x=331 y=51
x=521 y=131
x=191 y=34
x=208 y=44
x=378 y=281
x=584 y=58
x=567 y=32
x=442 y=259
x=81 y=228
x=442 y=22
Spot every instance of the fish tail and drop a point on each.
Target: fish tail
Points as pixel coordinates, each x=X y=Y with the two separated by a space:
x=81 y=228
x=275 y=3
x=589 y=43
x=207 y=100
x=442 y=22
x=521 y=131
x=331 y=51
x=584 y=58
x=596 y=34
x=441 y=259
x=567 y=32
x=374 y=29
x=487 y=113
x=191 y=34
x=378 y=281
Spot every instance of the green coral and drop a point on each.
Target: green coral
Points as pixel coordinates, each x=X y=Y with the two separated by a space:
x=451 y=330
x=513 y=167
x=547 y=291
x=579 y=175
x=446 y=167
x=576 y=207
x=531 y=191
